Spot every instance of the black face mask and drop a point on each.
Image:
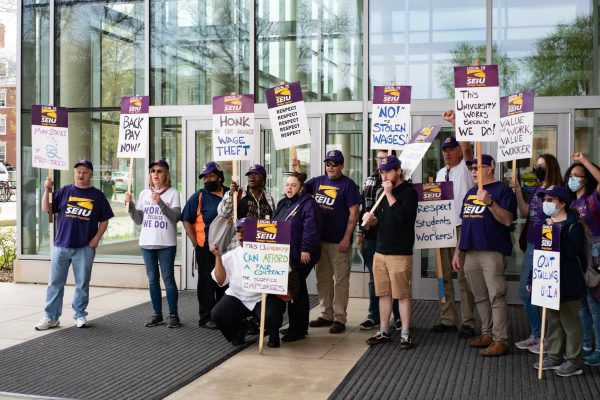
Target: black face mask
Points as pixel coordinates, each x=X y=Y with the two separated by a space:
x=211 y=186
x=540 y=173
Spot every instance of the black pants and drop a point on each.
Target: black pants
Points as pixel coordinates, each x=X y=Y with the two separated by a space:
x=209 y=292
x=299 y=309
x=229 y=314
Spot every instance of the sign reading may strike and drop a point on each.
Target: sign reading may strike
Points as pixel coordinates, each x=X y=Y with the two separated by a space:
x=415 y=150
x=390 y=123
x=434 y=226
x=49 y=137
x=545 y=287
x=233 y=127
x=133 y=127
x=476 y=103
x=288 y=115
x=266 y=256
x=515 y=139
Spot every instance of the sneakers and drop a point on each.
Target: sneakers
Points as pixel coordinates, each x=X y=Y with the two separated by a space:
x=466 y=332
x=378 y=338
x=548 y=363
x=593 y=360
x=154 y=320
x=495 y=349
x=320 y=322
x=536 y=349
x=406 y=343
x=441 y=328
x=586 y=352
x=398 y=325
x=337 y=327
x=368 y=325
x=47 y=323
x=527 y=343
x=174 y=322
x=211 y=325
x=81 y=322
x=569 y=368
x=481 y=341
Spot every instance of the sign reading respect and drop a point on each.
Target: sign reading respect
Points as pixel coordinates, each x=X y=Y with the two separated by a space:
x=287 y=115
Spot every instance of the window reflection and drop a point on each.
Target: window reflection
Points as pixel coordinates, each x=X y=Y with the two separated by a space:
x=587 y=126
x=35 y=39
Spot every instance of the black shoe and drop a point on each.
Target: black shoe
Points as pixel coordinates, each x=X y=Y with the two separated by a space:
x=154 y=320
x=441 y=328
x=252 y=326
x=240 y=338
x=406 y=343
x=174 y=322
x=292 y=337
x=274 y=341
x=209 y=325
x=466 y=332
x=320 y=322
x=284 y=331
x=337 y=327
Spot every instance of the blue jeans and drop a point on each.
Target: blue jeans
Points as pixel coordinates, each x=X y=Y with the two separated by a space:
x=589 y=313
x=164 y=257
x=532 y=312
x=82 y=259
x=368 y=252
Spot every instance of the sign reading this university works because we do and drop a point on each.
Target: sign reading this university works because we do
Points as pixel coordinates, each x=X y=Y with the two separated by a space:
x=233 y=127
x=390 y=119
x=49 y=137
x=133 y=127
x=545 y=287
x=515 y=138
x=435 y=223
x=288 y=115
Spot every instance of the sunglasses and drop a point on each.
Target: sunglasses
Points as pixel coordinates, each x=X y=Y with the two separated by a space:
x=474 y=167
x=156 y=171
x=330 y=164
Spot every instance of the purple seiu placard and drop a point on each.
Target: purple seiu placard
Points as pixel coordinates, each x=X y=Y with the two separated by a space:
x=135 y=104
x=391 y=94
x=284 y=94
x=236 y=103
x=267 y=231
x=434 y=191
x=49 y=116
x=473 y=76
x=547 y=237
x=517 y=103
x=426 y=134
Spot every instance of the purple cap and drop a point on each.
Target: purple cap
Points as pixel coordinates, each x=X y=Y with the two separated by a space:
x=209 y=168
x=84 y=163
x=450 y=143
x=389 y=163
x=334 y=155
x=486 y=159
x=160 y=163
x=240 y=223
x=257 y=169
x=556 y=191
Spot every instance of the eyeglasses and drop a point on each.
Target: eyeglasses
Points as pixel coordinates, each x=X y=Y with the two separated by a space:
x=156 y=171
x=330 y=164
x=379 y=158
x=474 y=167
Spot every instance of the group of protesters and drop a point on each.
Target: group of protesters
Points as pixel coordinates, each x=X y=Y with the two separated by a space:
x=325 y=213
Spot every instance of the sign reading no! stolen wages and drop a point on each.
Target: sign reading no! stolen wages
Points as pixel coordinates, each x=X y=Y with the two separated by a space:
x=49 y=137
x=390 y=118
x=288 y=115
x=133 y=127
x=233 y=127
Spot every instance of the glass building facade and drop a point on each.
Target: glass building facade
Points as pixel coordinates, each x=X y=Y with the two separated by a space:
x=85 y=55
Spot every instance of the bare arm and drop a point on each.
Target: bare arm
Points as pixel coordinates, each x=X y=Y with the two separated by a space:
x=219 y=271
x=96 y=239
x=48 y=183
x=191 y=234
x=590 y=167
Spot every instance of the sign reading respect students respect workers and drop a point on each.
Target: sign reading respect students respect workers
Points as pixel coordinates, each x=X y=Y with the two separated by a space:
x=133 y=127
x=515 y=138
x=288 y=115
x=233 y=127
x=415 y=150
x=49 y=137
x=435 y=224
x=390 y=118
x=545 y=287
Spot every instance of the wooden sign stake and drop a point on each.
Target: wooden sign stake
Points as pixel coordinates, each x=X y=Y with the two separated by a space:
x=234 y=177
x=293 y=158
x=542 y=342
x=263 y=309
x=129 y=178
x=50 y=214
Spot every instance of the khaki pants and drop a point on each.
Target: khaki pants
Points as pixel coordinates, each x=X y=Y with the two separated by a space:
x=564 y=331
x=333 y=282
x=485 y=273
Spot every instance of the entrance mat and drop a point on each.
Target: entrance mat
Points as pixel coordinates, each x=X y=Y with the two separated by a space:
x=117 y=357
x=443 y=366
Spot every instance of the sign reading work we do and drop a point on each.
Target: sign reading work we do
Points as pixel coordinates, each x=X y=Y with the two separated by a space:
x=390 y=119
x=288 y=115
x=415 y=150
x=133 y=127
x=266 y=256
x=49 y=137
x=233 y=127
x=476 y=98
x=515 y=139
x=545 y=287
x=435 y=223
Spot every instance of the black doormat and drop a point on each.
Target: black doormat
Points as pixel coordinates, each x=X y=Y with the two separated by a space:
x=117 y=357
x=443 y=366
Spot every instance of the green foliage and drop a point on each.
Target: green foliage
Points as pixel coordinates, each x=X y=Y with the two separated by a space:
x=8 y=247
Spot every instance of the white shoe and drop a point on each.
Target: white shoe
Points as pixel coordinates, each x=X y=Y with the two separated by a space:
x=47 y=323
x=81 y=322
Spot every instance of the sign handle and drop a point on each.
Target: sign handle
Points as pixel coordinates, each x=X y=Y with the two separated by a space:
x=542 y=342
x=440 y=271
x=514 y=172
x=234 y=177
x=293 y=158
x=129 y=182
x=479 y=167
x=263 y=309
x=50 y=215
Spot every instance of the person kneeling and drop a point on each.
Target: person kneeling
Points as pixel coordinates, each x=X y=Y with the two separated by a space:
x=237 y=303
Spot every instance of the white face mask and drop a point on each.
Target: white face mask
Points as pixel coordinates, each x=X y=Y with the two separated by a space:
x=550 y=209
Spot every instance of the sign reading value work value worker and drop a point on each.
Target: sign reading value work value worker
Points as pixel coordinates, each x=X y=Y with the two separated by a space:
x=515 y=139
x=288 y=115
x=435 y=223
x=476 y=103
x=415 y=150
x=545 y=287
x=266 y=256
x=49 y=137
x=233 y=127
x=133 y=127
x=390 y=119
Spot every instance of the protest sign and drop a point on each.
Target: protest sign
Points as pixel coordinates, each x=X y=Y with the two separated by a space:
x=435 y=226
x=515 y=138
x=266 y=256
x=133 y=127
x=415 y=150
x=233 y=128
x=477 y=98
x=49 y=137
x=390 y=119
x=288 y=115
x=545 y=287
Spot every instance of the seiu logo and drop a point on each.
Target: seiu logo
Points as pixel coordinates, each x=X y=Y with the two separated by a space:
x=48 y=116
x=431 y=196
x=78 y=211
x=265 y=236
x=391 y=99
x=546 y=243
x=475 y=76
x=328 y=201
x=282 y=99
x=232 y=108
x=134 y=110
x=512 y=109
x=46 y=120
x=475 y=81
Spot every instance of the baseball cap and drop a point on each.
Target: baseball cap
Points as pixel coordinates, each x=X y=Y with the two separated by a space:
x=84 y=163
x=257 y=169
x=450 y=143
x=556 y=191
x=160 y=163
x=334 y=155
x=389 y=163
x=211 y=167
x=486 y=159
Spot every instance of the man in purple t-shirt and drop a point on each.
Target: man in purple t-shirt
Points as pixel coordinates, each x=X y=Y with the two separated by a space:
x=339 y=199
x=82 y=214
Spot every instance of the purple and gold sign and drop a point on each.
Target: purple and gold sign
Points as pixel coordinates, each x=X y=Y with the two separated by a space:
x=135 y=105
x=287 y=115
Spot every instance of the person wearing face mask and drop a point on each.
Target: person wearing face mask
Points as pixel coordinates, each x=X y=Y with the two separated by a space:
x=547 y=172
x=199 y=211
x=582 y=178
x=564 y=326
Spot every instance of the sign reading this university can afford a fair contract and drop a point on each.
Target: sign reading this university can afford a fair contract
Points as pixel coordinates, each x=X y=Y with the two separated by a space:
x=233 y=127
x=390 y=120
x=415 y=150
x=49 y=137
x=545 y=287
x=435 y=223
x=266 y=256
x=476 y=103
x=133 y=127
x=515 y=139
x=288 y=115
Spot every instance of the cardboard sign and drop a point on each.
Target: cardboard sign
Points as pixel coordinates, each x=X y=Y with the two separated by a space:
x=390 y=119
x=545 y=287
x=133 y=127
x=515 y=139
x=233 y=128
x=415 y=150
x=288 y=115
x=49 y=137
x=476 y=103
x=266 y=256
x=435 y=226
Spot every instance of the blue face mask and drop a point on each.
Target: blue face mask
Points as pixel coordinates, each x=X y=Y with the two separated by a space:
x=574 y=184
x=550 y=209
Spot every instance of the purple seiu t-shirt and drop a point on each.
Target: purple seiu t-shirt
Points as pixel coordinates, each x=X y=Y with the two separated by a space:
x=79 y=212
x=586 y=206
x=536 y=214
x=480 y=229
x=335 y=197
